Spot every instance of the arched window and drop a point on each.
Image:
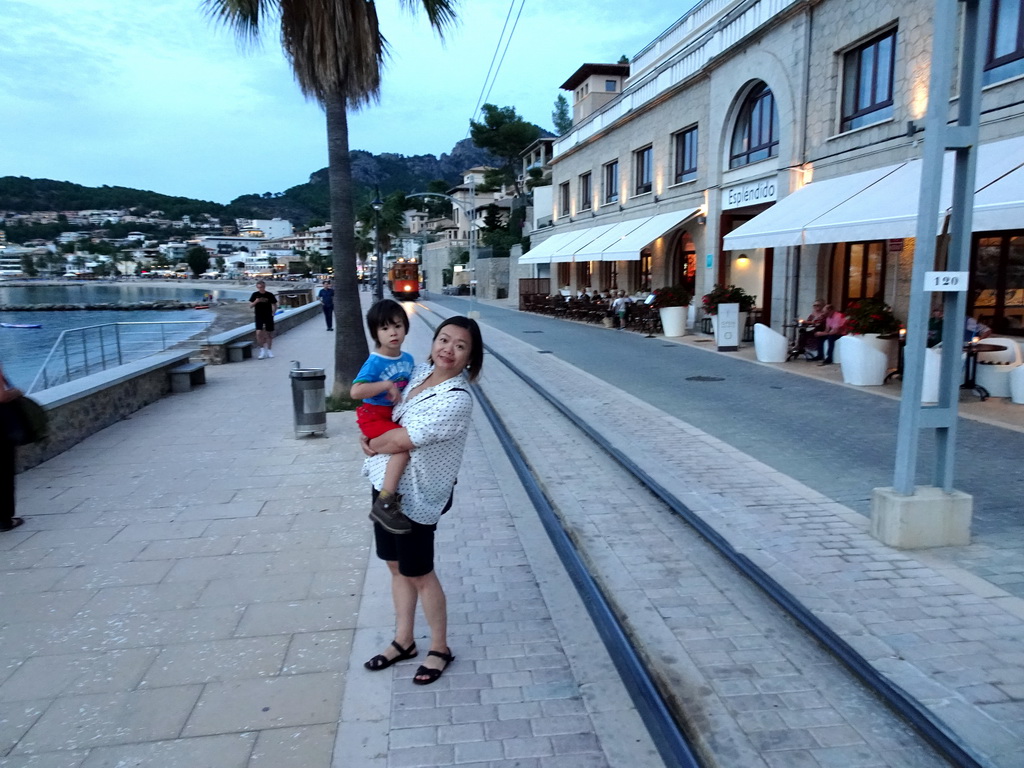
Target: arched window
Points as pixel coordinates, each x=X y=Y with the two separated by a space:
x=756 y=136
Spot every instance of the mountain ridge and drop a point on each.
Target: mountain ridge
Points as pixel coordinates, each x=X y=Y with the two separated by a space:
x=390 y=172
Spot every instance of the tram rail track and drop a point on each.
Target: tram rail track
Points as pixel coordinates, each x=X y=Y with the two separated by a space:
x=676 y=731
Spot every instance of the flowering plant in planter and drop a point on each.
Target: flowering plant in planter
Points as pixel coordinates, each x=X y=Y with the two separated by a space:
x=871 y=316
x=731 y=294
x=671 y=296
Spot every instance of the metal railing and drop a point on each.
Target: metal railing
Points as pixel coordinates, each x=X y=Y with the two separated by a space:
x=83 y=351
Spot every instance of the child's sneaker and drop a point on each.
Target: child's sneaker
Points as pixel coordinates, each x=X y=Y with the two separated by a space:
x=262 y=354
x=388 y=512
x=269 y=353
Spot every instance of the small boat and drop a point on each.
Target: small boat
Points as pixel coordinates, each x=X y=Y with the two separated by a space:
x=201 y=306
x=21 y=325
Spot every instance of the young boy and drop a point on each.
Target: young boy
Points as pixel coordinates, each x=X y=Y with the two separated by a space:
x=379 y=385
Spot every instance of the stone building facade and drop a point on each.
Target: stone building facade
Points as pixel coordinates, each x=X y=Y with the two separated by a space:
x=743 y=103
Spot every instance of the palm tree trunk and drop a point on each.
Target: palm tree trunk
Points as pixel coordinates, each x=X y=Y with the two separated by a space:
x=350 y=348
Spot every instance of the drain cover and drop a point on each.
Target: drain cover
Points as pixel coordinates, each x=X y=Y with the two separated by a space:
x=533 y=331
x=543 y=351
x=704 y=378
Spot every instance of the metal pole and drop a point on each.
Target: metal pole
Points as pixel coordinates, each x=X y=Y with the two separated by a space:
x=377 y=205
x=471 y=221
x=939 y=137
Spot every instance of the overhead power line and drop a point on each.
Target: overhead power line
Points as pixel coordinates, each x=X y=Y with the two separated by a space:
x=489 y=80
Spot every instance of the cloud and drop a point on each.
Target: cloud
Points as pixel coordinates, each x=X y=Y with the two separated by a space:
x=158 y=96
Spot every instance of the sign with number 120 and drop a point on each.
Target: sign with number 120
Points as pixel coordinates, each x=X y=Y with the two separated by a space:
x=946 y=281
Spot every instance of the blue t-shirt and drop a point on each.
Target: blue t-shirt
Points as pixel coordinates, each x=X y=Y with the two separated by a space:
x=380 y=368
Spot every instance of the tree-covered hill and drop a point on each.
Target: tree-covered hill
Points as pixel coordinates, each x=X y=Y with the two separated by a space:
x=23 y=195
x=300 y=204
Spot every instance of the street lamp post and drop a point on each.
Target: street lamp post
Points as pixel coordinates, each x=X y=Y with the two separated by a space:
x=377 y=204
x=469 y=212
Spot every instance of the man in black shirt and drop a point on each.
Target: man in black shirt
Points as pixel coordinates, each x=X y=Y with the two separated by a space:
x=264 y=303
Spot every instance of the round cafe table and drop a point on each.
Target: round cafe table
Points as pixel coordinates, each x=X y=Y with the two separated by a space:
x=971 y=367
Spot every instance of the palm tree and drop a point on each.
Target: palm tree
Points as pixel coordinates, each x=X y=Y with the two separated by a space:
x=336 y=51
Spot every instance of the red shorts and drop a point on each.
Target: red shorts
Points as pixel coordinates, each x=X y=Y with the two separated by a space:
x=375 y=420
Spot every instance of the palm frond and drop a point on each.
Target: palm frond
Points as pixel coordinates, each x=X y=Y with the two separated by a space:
x=334 y=46
x=440 y=13
x=243 y=17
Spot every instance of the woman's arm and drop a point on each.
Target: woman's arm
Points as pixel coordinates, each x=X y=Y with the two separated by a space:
x=362 y=390
x=393 y=441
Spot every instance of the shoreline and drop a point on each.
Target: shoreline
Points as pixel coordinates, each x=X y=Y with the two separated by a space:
x=229 y=313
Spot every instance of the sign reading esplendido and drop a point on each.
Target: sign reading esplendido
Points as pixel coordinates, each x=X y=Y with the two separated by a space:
x=750 y=193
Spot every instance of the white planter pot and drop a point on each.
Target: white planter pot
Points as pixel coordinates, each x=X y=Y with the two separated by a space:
x=673 y=320
x=864 y=359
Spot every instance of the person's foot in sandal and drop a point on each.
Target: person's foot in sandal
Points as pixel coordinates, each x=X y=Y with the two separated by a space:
x=426 y=675
x=383 y=661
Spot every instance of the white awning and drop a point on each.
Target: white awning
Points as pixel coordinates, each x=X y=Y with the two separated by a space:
x=542 y=252
x=621 y=241
x=783 y=224
x=579 y=250
x=594 y=251
x=627 y=247
x=887 y=208
x=1000 y=205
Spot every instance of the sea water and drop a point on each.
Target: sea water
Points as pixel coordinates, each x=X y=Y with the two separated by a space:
x=23 y=350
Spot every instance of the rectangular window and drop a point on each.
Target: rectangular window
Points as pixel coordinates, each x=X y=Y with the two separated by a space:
x=644 y=171
x=609 y=85
x=686 y=155
x=867 y=82
x=563 y=199
x=645 y=270
x=611 y=182
x=1005 y=55
x=585 y=193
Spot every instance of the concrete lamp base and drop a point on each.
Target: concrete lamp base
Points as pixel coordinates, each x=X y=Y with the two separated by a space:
x=929 y=518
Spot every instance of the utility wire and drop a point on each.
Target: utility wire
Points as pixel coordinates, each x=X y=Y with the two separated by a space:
x=508 y=42
x=494 y=56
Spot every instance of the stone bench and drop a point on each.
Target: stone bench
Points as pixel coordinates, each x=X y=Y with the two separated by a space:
x=187 y=375
x=239 y=351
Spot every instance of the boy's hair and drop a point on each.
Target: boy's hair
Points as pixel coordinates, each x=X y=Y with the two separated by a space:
x=383 y=312
x=476 y=349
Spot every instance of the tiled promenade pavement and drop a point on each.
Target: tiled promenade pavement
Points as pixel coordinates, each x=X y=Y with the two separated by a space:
x=190 y=584
x=952 y=640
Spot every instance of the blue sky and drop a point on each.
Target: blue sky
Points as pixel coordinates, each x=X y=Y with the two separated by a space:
x=154 y=95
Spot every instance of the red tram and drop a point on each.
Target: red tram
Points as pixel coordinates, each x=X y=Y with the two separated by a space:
x=404 y=277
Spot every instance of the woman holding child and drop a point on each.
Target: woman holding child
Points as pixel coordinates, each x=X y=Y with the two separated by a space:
x=434 y=417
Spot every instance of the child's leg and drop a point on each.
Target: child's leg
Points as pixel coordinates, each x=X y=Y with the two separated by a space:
x=396 y=466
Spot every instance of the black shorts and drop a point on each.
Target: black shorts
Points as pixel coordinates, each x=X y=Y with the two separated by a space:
x=265 y=324
x=413 y=551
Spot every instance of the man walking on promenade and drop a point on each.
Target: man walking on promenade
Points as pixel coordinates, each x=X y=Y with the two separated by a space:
x=326 y=297
x=264 y=303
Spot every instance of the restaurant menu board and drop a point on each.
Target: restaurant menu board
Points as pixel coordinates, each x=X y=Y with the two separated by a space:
x=727 y=334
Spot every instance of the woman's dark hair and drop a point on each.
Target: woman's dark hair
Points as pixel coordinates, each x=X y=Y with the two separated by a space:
x=476 y=349
x=383 y=312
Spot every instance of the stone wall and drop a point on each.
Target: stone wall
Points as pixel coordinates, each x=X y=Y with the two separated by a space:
x=215 y=349
x=492 y=277
x=84 y=406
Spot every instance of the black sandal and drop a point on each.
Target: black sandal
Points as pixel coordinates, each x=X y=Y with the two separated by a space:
x=15 y=522
x=380 y=661
x=433 y=674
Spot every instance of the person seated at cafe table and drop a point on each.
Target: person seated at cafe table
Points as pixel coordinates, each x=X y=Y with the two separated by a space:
x=806 y=341
x=833 y=326
x=973 y=329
